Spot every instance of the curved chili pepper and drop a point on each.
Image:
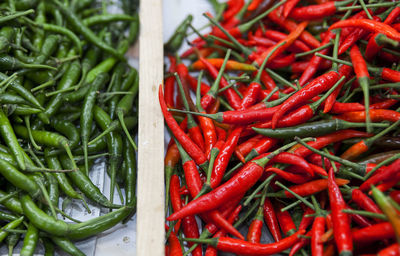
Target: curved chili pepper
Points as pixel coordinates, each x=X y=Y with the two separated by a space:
x=391 y=250
x=236 y=246
x=271 y=220
x=288 y=7
x=318 y=85
x=364 y=201
x=294 y=178
x=246 y=147
x=340 y=220
x=174 y=244
x=193 y=150
x=377 y=115
x=370 y=25
x=277 y=36
x=325 y=140
x=285 y=221
x=315 y=12
x=290 y=25
x=373 y=233
x=217 y=63
x=169 y=84
x=308 y=188
x=315 y=61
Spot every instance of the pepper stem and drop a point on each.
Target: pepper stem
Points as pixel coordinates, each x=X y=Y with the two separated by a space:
x=255 y=192
x=302 y=199
x=316 y=104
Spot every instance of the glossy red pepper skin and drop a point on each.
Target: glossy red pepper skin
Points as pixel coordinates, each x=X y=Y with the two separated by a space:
x=314 y=12
x=271 y=220
x=340 y=220
x=325 y=140
x=288 y=7
x=373 y=233
x=315 y=87
x=392 y=250
x=318 y=228
x=294 y=178
x=293 y=159
x=285 y=221
x=237 y=185
x=227 y=244
x=377 y=115
x=190 y=147
x=174 y=245
x=363 y=201
x=315 y=61
x=169 y=84
x=222 y=160
x=245 y=148
x=277 y=35
x=311 y=187
x=370 y=25
x=390 y=75
x=290 y=25
x=390 y=172
x=346 y=71
x=300 y=244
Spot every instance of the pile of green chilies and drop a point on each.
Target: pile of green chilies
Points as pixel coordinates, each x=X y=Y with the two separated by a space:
x=284 y=121
x=68 y=97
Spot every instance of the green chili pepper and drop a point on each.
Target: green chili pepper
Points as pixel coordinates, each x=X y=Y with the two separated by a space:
x=30 y=241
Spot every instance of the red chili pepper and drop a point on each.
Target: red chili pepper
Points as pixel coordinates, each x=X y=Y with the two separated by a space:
x=315 y=61
x=254 y=4
x=285 y=221
x=288 y=7
x=193 y=85
x=341 y=108
x=325 y=140
x=233 y=99
x=298 y=45
x=169 y=84
x=344 y=70
x=234 y=7
x=217 y=63
x=300 y=244
x=340 y=220
x=392 y=250
x=246 y=147
x=222 y=160
x=176 y=201
x=390 y=171
x=317 y=86
x=290 y=158
x=174 y=248
x=236 y=246
x=363 y=201
x=318 y=230
x=211 y=251
x=309 y=188
x=250 y=97
x=289 y=40
x=294 y=178
x=390 y=75
x=377 y=115
x=190 y=147
x=370 y=25
x=376 y=232
x=315 y=12
x=395 y=195
x=290 y=25
x=271 y=220
x=237 y=185
x=353 y=37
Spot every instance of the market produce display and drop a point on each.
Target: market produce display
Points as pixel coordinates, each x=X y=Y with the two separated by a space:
x=284 y=120
x=68 y=98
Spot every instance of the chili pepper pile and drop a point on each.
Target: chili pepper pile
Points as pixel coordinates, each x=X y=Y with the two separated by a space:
x=68 y=98
x=284 y=116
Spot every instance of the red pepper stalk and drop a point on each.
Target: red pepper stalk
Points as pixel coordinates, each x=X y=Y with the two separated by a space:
x=388 y=209
x=193 y=128
x=360 y=68
x=340 y=220
x=362 y=146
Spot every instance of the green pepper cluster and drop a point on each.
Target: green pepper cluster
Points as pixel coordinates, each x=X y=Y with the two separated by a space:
x=68 y=97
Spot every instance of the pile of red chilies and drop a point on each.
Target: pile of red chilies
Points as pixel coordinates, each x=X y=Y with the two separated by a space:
x=287 y=115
